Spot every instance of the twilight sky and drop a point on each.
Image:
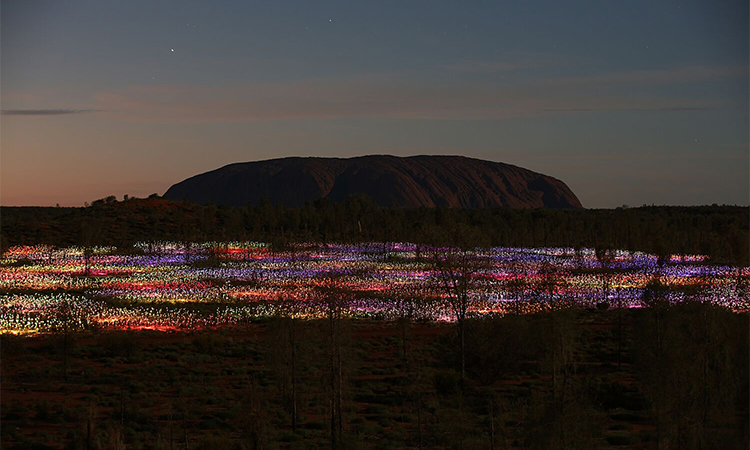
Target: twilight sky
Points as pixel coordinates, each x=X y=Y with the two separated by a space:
x=627 y=102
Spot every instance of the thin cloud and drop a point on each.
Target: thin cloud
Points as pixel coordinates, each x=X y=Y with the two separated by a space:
x=685 y=74
x=473 y=66
x=334 y=100
x=658 y=109
x=483 y=66
x=46 y=112
x=389 y=98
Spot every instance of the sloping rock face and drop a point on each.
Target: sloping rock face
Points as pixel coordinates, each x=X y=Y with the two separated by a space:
x=451 y=181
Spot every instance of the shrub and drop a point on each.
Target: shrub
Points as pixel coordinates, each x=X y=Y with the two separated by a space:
x=446 y=382
x=315 y=425
x=42 y=411
x=619 y=439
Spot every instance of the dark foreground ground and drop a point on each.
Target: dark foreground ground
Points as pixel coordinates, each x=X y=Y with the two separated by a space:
x=667 y=377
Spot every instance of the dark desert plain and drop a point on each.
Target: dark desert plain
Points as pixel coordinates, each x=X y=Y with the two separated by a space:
x=374 y=225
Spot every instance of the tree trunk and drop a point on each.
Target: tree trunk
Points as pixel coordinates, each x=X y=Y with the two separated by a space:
x=87 y=260
x=658 y=358
x=658 y=427
x=404 y=325
x=704 y=417
x=171 y=432
x=184 y=427
x=293 y=339
x=65 y=354
x=462 y=332
x=339 y=378
x=461 y=420
x=619 y=330
x=122 y=406
x=419 y=412
x=339 y=411
x=88 y=431
x=658 y=333
x=554 y=360
x=334 y=440
x=492 y=423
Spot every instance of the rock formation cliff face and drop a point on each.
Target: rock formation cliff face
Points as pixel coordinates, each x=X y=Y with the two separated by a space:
x=452 y=181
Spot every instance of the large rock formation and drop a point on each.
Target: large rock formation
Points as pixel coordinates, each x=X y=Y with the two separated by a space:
x=452 y=181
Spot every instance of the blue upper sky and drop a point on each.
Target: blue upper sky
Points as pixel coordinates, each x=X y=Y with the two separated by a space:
x=627 y=102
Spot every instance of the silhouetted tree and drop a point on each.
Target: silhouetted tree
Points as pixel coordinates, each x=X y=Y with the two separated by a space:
x=495 y=347
x=66 y=325
x=454 y=270
x=335 y=297
x=286 y=337
x=255 y=417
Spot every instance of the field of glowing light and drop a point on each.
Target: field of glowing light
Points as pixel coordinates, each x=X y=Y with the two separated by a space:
x=166 y=286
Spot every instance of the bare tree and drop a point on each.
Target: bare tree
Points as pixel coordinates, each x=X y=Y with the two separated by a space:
x=604 y=256
x=66 y=326
x=90 y=233
x=335 y=297
x=409 y=303
x=496 y=347
x=517 y=288
x=285 y=333
x=255 y=418
x=562 y=341
x=455 y=270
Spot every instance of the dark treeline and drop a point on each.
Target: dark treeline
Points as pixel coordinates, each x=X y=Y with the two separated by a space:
x=718 y=231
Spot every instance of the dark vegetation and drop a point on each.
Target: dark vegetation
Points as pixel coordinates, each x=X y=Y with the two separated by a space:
x=718 y=231
x=545 y=381
x=662 y=377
